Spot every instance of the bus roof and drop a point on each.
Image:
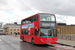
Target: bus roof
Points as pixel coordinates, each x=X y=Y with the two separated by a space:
x=36 y=14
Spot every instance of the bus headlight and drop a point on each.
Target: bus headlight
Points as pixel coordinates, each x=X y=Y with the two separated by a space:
x=56 y=41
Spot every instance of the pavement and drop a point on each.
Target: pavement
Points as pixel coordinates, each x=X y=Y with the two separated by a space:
x=66 y=42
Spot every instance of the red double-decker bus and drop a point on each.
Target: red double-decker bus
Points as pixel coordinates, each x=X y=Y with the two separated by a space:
x=40 y=28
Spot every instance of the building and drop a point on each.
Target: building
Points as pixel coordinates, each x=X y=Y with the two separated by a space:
x=66 y=31
x=11 y=28
x=0 y=25
x=1 y=31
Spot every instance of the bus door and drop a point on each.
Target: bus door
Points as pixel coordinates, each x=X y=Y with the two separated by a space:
x=36 y=36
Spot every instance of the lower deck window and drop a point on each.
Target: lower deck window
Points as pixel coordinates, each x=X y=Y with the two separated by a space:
x=25 y=32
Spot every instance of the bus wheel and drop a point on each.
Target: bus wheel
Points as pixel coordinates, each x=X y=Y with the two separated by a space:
x=23 y=39
x=32 y=41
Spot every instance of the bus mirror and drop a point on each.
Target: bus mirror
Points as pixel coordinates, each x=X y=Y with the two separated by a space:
x=37 y=29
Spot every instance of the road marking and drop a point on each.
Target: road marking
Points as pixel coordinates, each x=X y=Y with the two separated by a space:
x=65 y=47
x=53 y=48
x=57 y=49
x=0 y=39
x=62 y=46
x=69 y=48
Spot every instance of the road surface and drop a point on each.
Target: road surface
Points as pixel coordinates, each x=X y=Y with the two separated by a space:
x=14 y=43
x=8 y=42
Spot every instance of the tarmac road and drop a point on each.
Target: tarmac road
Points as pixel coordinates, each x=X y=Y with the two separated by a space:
x=13 y=43
x=9 y=42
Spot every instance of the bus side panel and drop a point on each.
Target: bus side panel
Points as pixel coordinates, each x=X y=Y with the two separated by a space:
x=36 y=40
x=31 y=35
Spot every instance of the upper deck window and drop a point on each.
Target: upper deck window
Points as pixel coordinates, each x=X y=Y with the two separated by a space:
x=30 y=19
x=47 y=17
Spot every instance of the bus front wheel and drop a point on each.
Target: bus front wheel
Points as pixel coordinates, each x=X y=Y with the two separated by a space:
x=32 y=41
x=23 y=39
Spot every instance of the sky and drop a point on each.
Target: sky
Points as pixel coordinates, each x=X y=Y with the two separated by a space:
x=15 y=10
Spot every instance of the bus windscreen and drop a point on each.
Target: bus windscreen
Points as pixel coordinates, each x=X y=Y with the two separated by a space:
x=48 y=32
x=47 y=17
